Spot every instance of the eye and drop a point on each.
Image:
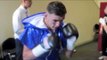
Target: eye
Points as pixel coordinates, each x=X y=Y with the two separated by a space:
x=55 y=20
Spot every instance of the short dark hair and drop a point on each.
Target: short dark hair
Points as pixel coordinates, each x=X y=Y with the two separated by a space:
x=57 y=8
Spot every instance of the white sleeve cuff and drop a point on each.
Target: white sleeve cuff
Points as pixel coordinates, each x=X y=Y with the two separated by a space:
x=38 y=50
x=70 y=43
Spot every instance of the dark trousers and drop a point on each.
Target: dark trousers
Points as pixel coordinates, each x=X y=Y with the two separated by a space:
x=104 y=43
x=19 y=50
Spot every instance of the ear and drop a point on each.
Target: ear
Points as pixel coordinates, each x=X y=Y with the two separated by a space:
x=63 y=17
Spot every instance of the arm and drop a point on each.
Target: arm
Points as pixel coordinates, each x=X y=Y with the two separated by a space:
x=103 y=24
x=27 y=54
x=70 y=46
x=101 y=29
x=17 y=25
x=45 y=46
x=71 y=34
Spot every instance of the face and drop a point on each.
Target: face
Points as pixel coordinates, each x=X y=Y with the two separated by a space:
x=53 y=21
x=28 y=3
x=105 y=10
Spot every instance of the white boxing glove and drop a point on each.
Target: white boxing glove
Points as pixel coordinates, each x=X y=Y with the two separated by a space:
x=45 y=46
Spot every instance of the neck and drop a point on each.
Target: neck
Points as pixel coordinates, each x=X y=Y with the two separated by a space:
x=45 y=22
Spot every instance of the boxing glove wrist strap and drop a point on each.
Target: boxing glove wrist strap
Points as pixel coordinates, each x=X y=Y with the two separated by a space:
x=38 y=50
x=70 y=43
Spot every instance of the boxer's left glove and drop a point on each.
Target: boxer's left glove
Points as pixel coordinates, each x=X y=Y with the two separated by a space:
x=47 y=44
x=71 y=34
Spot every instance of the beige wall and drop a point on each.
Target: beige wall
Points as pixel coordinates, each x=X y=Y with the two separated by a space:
x=84 y=14
x=6 y=9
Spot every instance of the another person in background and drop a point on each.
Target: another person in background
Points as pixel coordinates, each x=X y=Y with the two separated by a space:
x=20 y=13
x=103 y=31
x=46 y=33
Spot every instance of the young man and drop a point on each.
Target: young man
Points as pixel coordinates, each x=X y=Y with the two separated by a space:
x=46 y=34
x=20 y=13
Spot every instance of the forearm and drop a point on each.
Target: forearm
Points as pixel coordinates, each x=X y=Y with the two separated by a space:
x=101 y=29
x=27 y=54
x=40 y=49
x=70 y=43
x=71 y=34
x=70 y=46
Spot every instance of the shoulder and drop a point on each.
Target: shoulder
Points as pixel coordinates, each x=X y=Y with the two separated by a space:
x=101 y=20
x=36 y=20
x=17 y=12
x=20 y=10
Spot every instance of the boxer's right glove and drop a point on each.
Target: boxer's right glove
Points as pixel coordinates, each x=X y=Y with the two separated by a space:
x=47 y=44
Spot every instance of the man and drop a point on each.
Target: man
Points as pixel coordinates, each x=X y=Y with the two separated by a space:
x=19 y=14
x=46 y=33
x=103 y=32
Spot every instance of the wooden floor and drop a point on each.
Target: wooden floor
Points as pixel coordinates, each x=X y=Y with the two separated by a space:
x=86 y=52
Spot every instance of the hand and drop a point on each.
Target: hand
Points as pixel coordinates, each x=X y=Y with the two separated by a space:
x=48 y=41
x=45 y=46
